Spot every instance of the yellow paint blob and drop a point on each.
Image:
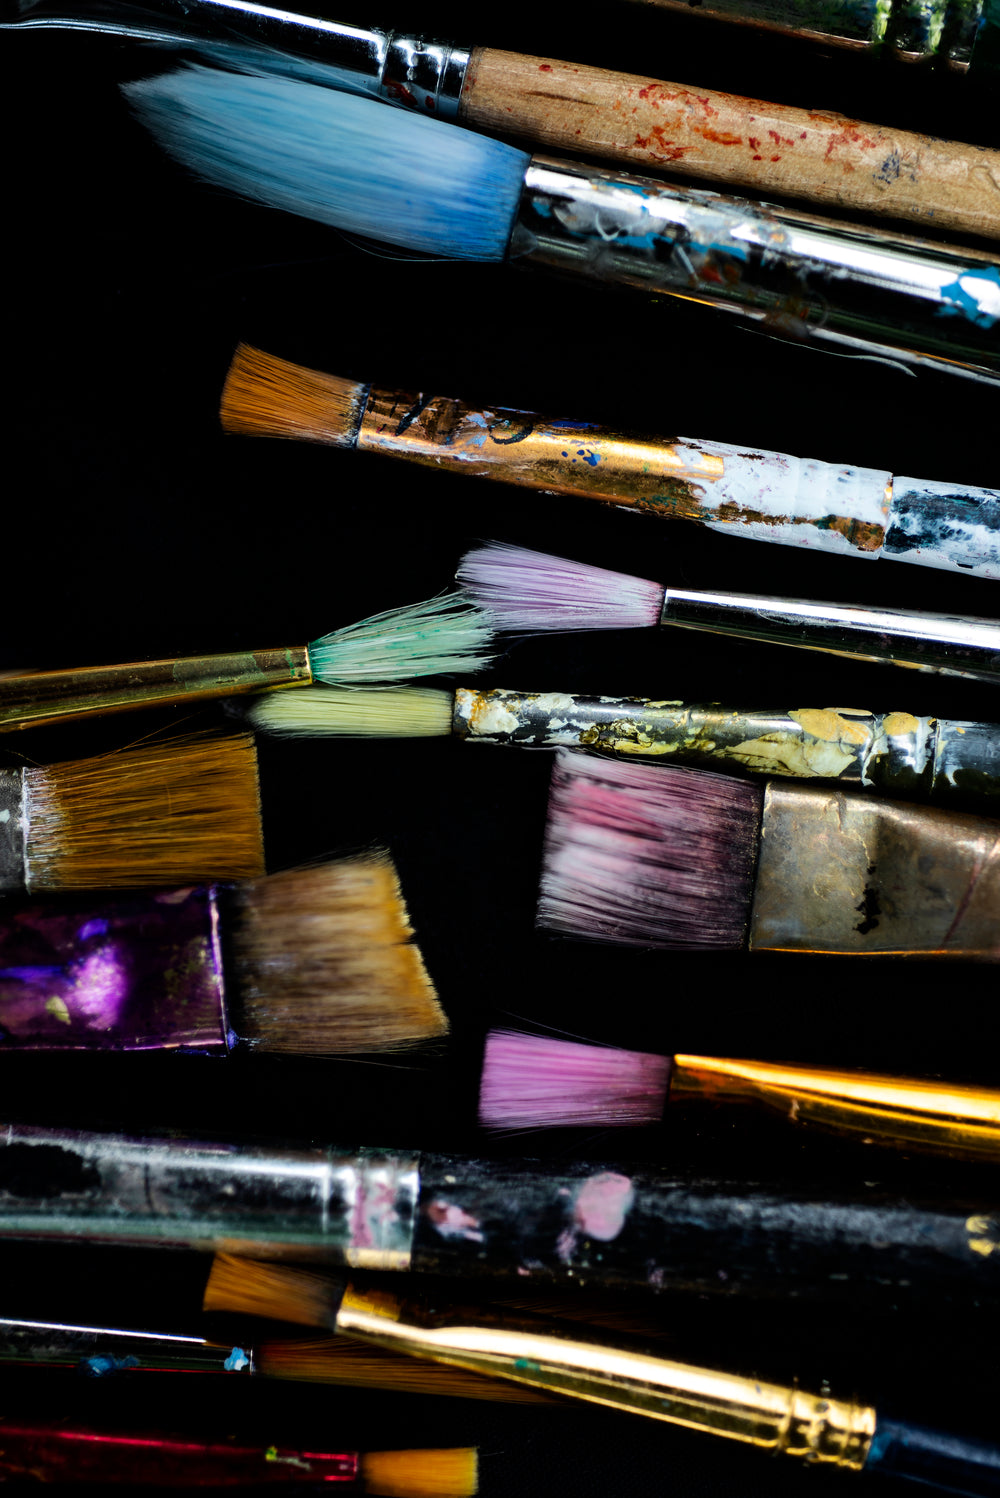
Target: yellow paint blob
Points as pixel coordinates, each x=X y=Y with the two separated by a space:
x=58 y=1010
x=824 y=723
x=897 y=724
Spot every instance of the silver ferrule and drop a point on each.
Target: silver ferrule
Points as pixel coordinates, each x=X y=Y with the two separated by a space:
x=953 y=645
x=12 y=832
x=805 y=278
x=404 y=69
x=346 y=1208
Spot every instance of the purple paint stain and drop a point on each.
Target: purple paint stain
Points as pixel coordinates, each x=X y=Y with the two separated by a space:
x=92 y=928
x=602 y=1204
x=452 y=1221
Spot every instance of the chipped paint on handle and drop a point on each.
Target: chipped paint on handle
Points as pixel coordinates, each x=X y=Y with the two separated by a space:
x=945 y=525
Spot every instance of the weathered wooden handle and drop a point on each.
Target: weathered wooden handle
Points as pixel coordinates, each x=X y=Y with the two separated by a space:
x=770 y=149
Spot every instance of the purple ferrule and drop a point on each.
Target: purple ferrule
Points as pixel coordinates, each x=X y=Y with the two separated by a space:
x=143 y=972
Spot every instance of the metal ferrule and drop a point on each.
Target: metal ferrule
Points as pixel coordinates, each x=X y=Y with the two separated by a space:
x=13 y=832
x=92 y=691
x=101 y=1351
x=355 y=1209
x=917 y=30
x=556 y=1358
x=952 y=644
x=856 y=875
x=933 y=1115
x=405 y=69
x=804 y=278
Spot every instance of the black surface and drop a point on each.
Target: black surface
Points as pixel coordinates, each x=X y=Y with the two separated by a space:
x=132 y=528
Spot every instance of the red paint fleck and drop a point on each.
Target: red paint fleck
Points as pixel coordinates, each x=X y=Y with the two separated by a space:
x=545 y=67
x=654 y=143
x=721 y=137
x=775 y=158
x=779 y=140
x=401 y=92
x=756 y=158
x=430 y=104
x=803 y=135
x=753 y=142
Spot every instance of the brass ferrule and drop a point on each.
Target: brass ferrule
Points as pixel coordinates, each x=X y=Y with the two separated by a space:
x=91 y=691
x=943 y=1116
x=555 y=1358
x=857 y=875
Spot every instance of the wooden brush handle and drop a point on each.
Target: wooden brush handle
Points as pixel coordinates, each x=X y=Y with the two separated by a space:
x=768 y=148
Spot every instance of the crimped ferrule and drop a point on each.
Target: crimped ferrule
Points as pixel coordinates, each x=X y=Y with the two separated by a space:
x=876 y=294
x=13 y=832
x=92 y=691
x=857 y=875
x=555 y=1358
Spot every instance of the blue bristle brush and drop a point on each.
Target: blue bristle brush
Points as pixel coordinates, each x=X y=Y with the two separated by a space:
x=428 y=186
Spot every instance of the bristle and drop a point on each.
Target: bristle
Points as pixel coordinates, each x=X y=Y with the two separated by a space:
x=327 y=963
x=647 y=855
x=449 y=1473
x=432 y=638
x=268 y=397
x=526 y=591
x=341 y=1360
x=353 y=162
x=276 y=1292
x=534 y=1081
x=160 y=814
x=315 y=712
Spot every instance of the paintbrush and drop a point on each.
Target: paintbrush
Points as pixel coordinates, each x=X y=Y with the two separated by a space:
x=423 y=639
x=321 y=961
x=537 y=1081
x=570 y=1222
x=427 y=186
x=637 y=121
x=761 y=495
x=181 y=811
x=525 y=592
x=936 y=759
x=660 y=856
x=57 y=1451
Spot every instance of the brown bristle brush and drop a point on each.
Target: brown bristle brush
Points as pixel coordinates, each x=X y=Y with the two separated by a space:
x=155 y=814
x=315 y=961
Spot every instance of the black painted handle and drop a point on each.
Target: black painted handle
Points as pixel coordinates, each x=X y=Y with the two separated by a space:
x=958 y=1464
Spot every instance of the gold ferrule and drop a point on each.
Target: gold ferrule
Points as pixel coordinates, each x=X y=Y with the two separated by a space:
x=942 y=1116
x=856 y=875
x=92 y=691
x=555 y=1358
x=562 y=457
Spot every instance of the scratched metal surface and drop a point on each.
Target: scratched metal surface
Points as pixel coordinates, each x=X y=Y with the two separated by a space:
x=135 y=529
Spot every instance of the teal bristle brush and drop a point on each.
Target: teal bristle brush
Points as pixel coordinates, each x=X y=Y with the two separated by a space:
x=432 y=187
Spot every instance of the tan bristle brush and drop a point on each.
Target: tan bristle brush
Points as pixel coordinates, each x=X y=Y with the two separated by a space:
x=155 y=814
x=319 y=961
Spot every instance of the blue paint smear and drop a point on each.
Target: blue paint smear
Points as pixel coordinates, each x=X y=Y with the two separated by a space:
x=591 y=458
x=29 y=974
x=92 y=928
x=580 y=426
x=101 y=1366
x=966 y=303
x=236 y=1361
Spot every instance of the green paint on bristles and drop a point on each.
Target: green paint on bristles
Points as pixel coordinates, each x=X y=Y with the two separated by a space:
x=433 y=638
x=352 y=712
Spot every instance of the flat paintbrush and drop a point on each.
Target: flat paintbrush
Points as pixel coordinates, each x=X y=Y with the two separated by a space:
x=422 y=639
x=181 y=811
x=936 y=759
x=319 y=960
x=427 y=186
x=525 y=592
x=541 y=1082
x=639 y=121
x=570 y=1222
x=765 y=496
x=657 y=856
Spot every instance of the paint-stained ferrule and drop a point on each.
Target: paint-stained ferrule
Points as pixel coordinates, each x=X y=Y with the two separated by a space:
x=555 y=1358
x=856 y=875
x=803 y=277
x=952 y=644
x=13 y=832
x=140 y=972
x=317 y=1204
x=92 y=691
x=944 y=525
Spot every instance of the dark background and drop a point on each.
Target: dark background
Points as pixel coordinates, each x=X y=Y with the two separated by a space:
x=132 y=528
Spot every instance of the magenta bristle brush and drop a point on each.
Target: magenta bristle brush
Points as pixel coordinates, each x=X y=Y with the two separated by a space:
x=536 y=1082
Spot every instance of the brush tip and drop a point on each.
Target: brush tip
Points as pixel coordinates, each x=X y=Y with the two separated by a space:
x=432 y=638
x=451 y=1472
x=537 y=1081
x=276 y=1292
x=524 y=591
x=648 y=855
x=339 y=712
x=265 y=396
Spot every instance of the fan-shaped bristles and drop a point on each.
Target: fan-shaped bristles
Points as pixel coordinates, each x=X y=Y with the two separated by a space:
x=396 y=712
x=277 y=1292
x=158 y=814
x=327 y=963
x=421 y=639
x=524 y=591
x=344 y=160
x=341 y=1360
x=452 y=1472
x=265 y=396
x=536 y=1081
x=647 y=855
